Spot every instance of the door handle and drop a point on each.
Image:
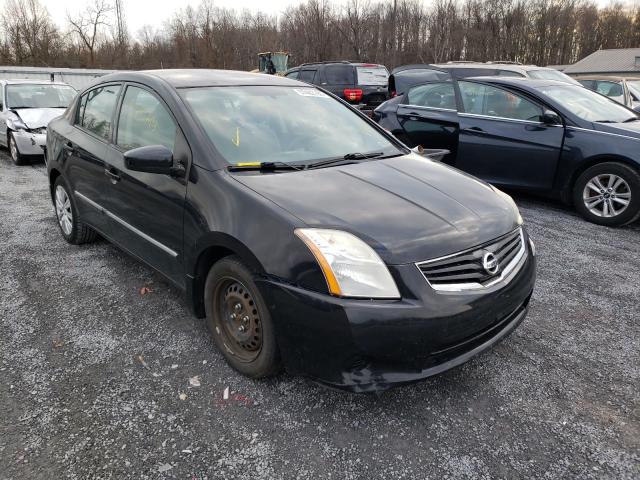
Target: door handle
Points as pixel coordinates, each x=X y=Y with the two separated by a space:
x=113 y=176
x=473 y=130
x=68 y=147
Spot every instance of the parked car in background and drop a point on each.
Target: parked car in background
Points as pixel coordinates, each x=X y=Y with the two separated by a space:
x=544 y=136
x=362 y=84
x=26 y=107
x=407 y=75
x=623 y=90
x=304 y=233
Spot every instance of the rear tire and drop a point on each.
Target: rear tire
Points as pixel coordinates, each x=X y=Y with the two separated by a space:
x=71 y=228
x=239 y=320
x=16 y=156
x=608 y=194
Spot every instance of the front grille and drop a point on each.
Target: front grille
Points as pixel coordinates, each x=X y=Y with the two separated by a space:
x=467 y=270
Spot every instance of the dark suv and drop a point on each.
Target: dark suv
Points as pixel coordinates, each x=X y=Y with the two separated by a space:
x=362 y=84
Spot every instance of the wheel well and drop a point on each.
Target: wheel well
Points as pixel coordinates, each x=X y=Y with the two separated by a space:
x=205 y=261
x=568 y=193
x=53 y=176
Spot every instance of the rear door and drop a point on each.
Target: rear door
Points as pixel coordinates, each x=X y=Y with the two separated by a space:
x=502 y=139
x=146 y=209
x=428 y=115
x=85 y=148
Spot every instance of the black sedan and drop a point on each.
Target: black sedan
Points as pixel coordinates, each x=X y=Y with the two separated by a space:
x=548 y=137
x=307 y=236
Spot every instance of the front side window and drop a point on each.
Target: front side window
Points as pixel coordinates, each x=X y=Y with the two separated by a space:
x=144 y=120
x=25 y=95
x=96 y=110
x=293 y=75
x=434 y=95
x=586 y=104
x=634 y=88
x=495 y=102
x=282 y=124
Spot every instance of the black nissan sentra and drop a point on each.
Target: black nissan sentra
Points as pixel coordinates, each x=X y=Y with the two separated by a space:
x=308 y=237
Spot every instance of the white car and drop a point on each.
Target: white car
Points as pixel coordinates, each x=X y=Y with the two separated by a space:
x=26 y=107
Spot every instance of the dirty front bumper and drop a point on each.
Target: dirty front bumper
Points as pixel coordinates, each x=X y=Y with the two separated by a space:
x=30 y=143
x=371 y=345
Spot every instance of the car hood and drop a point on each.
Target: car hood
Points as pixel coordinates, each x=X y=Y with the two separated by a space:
x=407 y=208
x=631 y=129
x=37 y=117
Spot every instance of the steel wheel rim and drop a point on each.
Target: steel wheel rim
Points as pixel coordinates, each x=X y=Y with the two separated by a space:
x=13 y=149
x=239 y=321
x=607 y=195
x=63 y=210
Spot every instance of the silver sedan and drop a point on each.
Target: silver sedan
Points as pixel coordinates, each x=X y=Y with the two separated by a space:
x=26 y=107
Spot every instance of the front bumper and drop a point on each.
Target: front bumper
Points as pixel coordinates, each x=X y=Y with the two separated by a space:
x=30 y=143
x=371 y=345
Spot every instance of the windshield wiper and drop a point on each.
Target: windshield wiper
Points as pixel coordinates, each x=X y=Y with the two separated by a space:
x=20 y=108
x=264 y=166
x=344 y=160
x=632 y=119
x=605 y=121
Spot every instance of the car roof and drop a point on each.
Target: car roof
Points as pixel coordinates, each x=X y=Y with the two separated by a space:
x=605 y=77
x=520 y=81
x=200 y=77
x=492 y=66
x=32 y=82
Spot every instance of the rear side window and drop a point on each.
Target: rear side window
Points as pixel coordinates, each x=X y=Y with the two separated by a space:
x=340 y=75
x=434 y=95
x=307 y=75
x=509 y=73
x=96 y=110
x=495 y=102
x=144 y=120
x=377 y=75
x=473 y=72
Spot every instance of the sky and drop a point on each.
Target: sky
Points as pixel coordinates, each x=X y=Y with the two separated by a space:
x=153 y=12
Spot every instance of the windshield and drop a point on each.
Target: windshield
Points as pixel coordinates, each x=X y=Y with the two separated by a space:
x=550 y=74
x=375 y=75
x=587 y=104
x=281 y=124
x=27 y=95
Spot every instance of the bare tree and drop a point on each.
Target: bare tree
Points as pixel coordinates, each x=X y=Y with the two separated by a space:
x=87 y=25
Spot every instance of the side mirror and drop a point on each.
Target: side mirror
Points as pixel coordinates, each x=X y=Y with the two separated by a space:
x=150 y=159
x=549 y=117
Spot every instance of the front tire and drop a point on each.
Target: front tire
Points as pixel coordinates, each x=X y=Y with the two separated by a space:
x=71 y=228
x=608 y=194
x=16 y=156
x=239 y=320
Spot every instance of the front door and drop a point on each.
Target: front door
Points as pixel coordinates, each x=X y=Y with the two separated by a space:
x=146 y=209
x=502 y=139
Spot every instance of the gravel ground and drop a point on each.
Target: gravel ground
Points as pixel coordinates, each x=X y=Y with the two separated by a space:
x=99 y=381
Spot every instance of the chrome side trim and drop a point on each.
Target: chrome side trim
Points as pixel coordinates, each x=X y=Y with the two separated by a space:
x=421 y=107
x=505 y=119
x=505 y=276
x=126 y=225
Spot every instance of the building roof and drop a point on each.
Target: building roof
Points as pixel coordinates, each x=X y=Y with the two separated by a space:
x=619 y=60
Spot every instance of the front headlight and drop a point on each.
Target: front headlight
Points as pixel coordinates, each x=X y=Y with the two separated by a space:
x=510 y=200
x=350 y=266
x=16 y=124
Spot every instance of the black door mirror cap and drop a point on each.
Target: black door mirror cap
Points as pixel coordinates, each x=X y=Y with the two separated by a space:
x=549 y=117
x=150 y=159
